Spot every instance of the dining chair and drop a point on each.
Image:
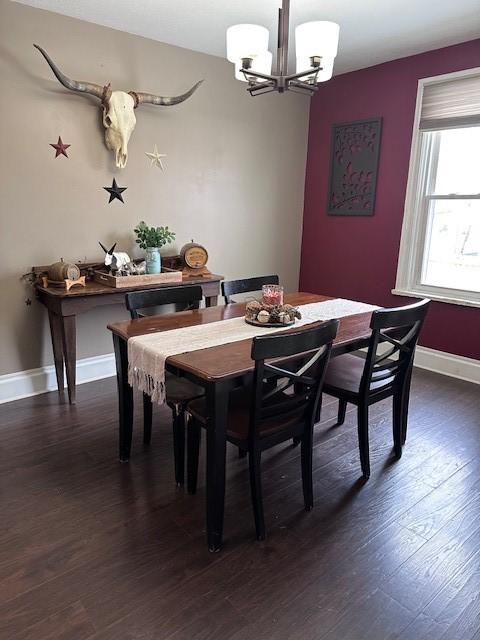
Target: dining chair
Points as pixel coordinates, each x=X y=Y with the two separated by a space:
x=383 y=373
x=264 y=415
x=179 y=391
x=246 y=285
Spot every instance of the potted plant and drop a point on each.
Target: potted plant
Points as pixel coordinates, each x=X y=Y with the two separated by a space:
x=151 y=239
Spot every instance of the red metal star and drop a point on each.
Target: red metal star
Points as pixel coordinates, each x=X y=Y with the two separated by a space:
x=60 y=148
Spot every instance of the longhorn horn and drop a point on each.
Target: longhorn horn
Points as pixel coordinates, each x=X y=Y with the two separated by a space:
x=150 y=98
x=103 y=93
x=103 y=247
x=112 y=249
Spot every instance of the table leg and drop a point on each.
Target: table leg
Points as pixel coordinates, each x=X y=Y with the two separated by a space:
x=211 y=301
x=125 y=399
x=69 y=339
x=217 y=402
x=57 y=345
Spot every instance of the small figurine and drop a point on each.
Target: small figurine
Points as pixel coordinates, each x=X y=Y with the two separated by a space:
x=120 y=264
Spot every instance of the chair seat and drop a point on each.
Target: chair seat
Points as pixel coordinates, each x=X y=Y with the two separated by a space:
x=239 y=416
x=345 y=373
x=181 y=390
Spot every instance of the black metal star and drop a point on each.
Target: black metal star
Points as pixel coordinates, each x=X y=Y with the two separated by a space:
x=115 y=191
x=28 y=302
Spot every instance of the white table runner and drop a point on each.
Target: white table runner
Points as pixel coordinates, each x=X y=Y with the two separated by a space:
x=147 y=353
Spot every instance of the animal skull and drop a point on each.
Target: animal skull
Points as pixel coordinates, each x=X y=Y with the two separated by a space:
x=118 y=108
x=119 y=122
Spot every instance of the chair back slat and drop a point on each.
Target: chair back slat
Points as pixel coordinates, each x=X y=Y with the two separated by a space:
x=188 y=297
x=245 y=285
x=400 y=328
x=289 y=389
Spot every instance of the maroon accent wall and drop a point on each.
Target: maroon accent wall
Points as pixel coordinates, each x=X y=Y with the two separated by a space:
x=355 y=257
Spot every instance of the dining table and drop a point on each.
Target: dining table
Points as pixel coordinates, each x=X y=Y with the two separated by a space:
x=218 y=369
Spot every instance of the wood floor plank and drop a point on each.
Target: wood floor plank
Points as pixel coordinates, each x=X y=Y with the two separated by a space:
x=71 y=623
x=423 y=628
x=457 y=605
x=423 y=576
x=377 y=617
x=431 y=513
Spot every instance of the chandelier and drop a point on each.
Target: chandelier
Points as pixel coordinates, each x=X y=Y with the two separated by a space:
x=316 y=45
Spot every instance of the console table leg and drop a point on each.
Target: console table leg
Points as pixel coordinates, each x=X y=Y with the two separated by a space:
x=70 y=353
x=57 y=345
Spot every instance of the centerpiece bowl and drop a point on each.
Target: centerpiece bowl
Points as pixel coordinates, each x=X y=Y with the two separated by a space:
x=266 y=315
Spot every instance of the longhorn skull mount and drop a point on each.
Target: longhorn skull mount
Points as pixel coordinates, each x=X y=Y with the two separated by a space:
x=118 y=107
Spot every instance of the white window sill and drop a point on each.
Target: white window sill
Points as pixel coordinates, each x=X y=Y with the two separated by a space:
x=433 y=295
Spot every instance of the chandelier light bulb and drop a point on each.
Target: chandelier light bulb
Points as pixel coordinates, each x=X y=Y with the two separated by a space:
x=317 y=39
x=246 y=41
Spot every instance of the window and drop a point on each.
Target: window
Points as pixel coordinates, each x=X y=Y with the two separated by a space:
x=440 y=245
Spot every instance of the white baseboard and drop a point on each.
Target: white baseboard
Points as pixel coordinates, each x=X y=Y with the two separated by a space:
x=22 y=384
x=448 y=364
x=32 y=382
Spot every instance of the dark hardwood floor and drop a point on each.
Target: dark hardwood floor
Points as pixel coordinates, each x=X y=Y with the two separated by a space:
x=95 y=550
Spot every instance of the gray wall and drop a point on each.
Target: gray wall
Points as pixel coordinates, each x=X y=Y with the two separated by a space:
x=234 y=174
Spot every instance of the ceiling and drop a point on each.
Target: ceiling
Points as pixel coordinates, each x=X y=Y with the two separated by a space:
x=371 y=31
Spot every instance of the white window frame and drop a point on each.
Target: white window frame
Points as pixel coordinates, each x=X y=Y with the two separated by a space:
x=415 y=217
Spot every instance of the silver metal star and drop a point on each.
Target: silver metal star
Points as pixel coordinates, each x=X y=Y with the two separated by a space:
x=156 y=158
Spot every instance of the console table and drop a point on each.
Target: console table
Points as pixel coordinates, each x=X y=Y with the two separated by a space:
x=63 y=307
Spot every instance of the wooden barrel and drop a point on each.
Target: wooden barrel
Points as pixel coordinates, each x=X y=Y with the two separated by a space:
x=194 y=255
x=59 y=271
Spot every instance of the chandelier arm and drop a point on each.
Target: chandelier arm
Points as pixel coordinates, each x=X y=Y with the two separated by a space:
x=303 y=92
x=300 y=83
x=261 y=85
x=257 y=91
x=247 y=73
x=311 y=88
x=308 y=72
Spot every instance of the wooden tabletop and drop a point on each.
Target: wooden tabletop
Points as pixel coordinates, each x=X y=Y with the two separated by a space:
x=232 y=359
x=96 y=288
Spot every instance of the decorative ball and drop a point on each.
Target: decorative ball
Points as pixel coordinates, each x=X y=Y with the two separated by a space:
x=263 y=316
x=292 y=311
x=283 y=317
x=275 y=314
x=252 y=310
